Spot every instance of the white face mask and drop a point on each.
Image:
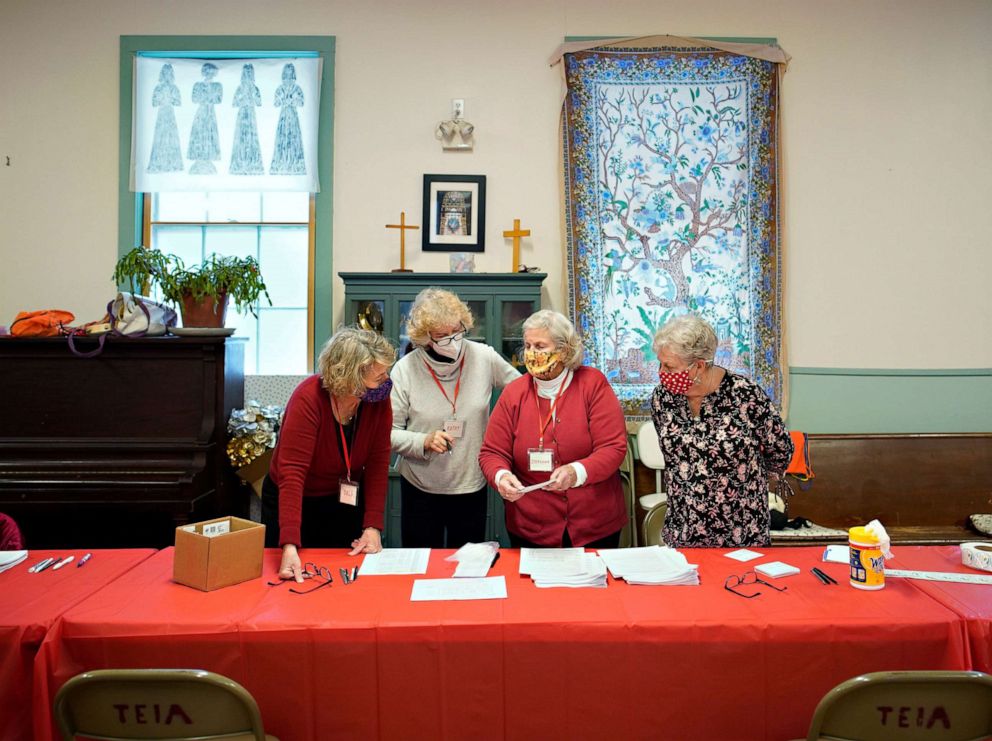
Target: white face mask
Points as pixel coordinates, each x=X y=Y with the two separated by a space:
x=450 y=350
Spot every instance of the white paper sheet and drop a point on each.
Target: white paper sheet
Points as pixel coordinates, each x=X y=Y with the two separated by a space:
x=743 y=555
x=10 y=559
x=534 y=487
x=551 y=560
x=395 y=561
x=837 y=554
x=433 y=590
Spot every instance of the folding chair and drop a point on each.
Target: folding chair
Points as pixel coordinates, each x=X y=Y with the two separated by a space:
x=906 y=706
x=656 y=503
x=128 y=704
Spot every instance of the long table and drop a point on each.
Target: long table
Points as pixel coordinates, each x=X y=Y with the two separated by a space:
x=363 y=661
x=30 y=604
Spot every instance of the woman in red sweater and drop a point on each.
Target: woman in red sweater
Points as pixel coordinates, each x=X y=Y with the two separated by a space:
x=562 y=424
x=327 y=481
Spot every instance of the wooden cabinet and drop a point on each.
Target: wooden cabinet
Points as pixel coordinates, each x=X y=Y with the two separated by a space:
x=500 y=302
x=116 y=450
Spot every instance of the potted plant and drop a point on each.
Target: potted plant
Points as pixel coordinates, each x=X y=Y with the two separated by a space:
x=202 y=291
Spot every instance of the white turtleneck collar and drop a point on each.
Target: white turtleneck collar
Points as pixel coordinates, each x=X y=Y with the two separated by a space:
x=444 y=369
x=548 y=389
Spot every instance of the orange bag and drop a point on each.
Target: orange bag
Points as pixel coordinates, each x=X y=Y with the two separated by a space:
x=44 y=323
x=800 y=466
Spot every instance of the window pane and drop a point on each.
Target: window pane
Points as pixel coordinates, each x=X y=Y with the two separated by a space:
x=241 y=241
x=247 y=326
x=179 y=206
x=283 y=334
x=283 y=259
x=186 y=242
x=234 y=207
x=286 y=207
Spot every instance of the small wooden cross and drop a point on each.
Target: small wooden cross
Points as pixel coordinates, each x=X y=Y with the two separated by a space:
x=402 y=226
x=516 y=233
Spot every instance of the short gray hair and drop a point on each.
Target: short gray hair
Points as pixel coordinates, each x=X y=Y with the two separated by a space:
x=688 y=336
x=563 y=334
x=348 y=355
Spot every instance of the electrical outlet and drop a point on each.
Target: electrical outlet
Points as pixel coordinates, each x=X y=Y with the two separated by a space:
x=457 y=107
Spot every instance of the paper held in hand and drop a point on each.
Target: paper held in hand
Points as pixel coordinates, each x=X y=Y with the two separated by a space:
x=533 y=487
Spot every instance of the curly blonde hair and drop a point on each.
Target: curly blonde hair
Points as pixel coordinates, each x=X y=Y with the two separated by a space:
x=432 y=309
x=562 y=332
x=348 y=355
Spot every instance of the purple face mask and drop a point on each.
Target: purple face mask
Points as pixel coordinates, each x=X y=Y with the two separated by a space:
x=379 y=394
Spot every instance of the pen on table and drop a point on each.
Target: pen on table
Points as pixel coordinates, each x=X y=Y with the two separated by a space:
x=84 y=559
x=344 y=576
x=819 y=575
x=495 y=559
x=63 y=562
x=825 y=575
x=354 y=573
x=42 y=564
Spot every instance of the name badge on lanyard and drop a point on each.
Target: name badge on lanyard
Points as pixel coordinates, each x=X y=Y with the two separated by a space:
x=348 y=492
x=541 y=459
x=347 y=488
x=453 y=426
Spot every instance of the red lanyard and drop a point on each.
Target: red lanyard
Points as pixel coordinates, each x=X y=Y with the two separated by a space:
x=344 y=442
x=458 y=384
x=551 y=411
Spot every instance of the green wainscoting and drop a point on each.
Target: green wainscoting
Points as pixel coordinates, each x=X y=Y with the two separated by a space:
x=850 y=400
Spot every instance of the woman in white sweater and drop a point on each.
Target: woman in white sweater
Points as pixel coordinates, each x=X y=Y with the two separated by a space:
x=441 y=395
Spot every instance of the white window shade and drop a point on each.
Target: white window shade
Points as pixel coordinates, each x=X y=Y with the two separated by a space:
x=225 y=124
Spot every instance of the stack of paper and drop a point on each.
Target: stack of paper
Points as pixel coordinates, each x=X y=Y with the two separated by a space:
x=562 y=567
x=10 y=559
x=650 y=565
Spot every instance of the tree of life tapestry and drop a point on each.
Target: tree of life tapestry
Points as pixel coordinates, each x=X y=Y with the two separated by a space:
x=671 y=184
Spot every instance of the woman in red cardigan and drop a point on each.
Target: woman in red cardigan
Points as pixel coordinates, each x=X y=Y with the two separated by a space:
x=562 y=424
x=327 y=481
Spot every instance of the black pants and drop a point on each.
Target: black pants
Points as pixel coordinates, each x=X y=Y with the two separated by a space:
x=427 y=518
x=325 y=522
x=610 y=541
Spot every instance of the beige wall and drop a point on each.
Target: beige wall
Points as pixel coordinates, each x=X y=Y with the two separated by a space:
x=886 y=105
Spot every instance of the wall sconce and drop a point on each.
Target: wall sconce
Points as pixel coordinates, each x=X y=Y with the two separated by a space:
x=456 y=132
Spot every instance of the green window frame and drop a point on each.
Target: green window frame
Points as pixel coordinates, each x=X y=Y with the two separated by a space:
x=130 y=206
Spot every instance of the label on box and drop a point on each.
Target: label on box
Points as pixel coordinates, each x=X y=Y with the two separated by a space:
x=216 y=528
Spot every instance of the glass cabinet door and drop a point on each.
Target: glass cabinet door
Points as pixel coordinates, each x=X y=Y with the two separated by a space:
x=511 y=330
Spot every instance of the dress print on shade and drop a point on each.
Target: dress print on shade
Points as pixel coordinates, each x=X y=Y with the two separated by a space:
x=246 y=155
x=288 y=159
x=166 y=153
x=204 y=139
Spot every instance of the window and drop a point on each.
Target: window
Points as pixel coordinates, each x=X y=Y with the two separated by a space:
x=288 y=233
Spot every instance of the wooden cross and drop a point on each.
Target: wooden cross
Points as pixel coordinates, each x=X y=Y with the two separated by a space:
x=516 y=233
x=402 y=226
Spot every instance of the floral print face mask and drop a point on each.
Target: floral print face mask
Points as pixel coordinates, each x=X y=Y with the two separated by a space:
x=380 y=393
x=543 y=364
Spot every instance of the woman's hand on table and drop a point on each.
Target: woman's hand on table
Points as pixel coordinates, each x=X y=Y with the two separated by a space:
x=369 y=542
x=290 y=567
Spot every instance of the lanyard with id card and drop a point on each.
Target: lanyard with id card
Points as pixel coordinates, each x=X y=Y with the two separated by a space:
x=347 y=489
x=541 y=459
x=453 y=426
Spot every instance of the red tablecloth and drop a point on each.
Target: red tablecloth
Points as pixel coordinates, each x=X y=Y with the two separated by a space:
x=362 y=661
x=29 y=605
x=973 y=602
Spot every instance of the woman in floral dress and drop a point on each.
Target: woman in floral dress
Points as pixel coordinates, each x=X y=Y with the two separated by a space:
x=721 y=437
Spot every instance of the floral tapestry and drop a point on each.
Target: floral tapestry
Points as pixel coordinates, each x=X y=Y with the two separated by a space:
x=671 y=201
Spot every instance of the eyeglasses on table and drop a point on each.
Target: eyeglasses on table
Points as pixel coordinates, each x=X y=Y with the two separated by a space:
x=745 y=580
x=310 y=571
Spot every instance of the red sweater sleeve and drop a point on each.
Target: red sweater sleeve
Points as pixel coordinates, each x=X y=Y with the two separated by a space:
x=294 y=456
x=607 y=428
x=375 y=479
x=497 y=444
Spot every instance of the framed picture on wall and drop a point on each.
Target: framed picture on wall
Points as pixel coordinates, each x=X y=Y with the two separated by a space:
x=454 y=213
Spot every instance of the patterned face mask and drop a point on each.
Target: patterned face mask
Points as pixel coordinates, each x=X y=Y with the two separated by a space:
x=543 y=364
x=380 y=393
x=677 y=383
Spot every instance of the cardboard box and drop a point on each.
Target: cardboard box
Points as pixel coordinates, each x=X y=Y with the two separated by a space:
x=218 y=553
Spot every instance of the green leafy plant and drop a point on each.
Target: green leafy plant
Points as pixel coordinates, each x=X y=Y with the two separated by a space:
x=237 y=278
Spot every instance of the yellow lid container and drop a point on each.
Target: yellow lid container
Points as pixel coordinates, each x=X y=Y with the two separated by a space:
x=867 y=562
